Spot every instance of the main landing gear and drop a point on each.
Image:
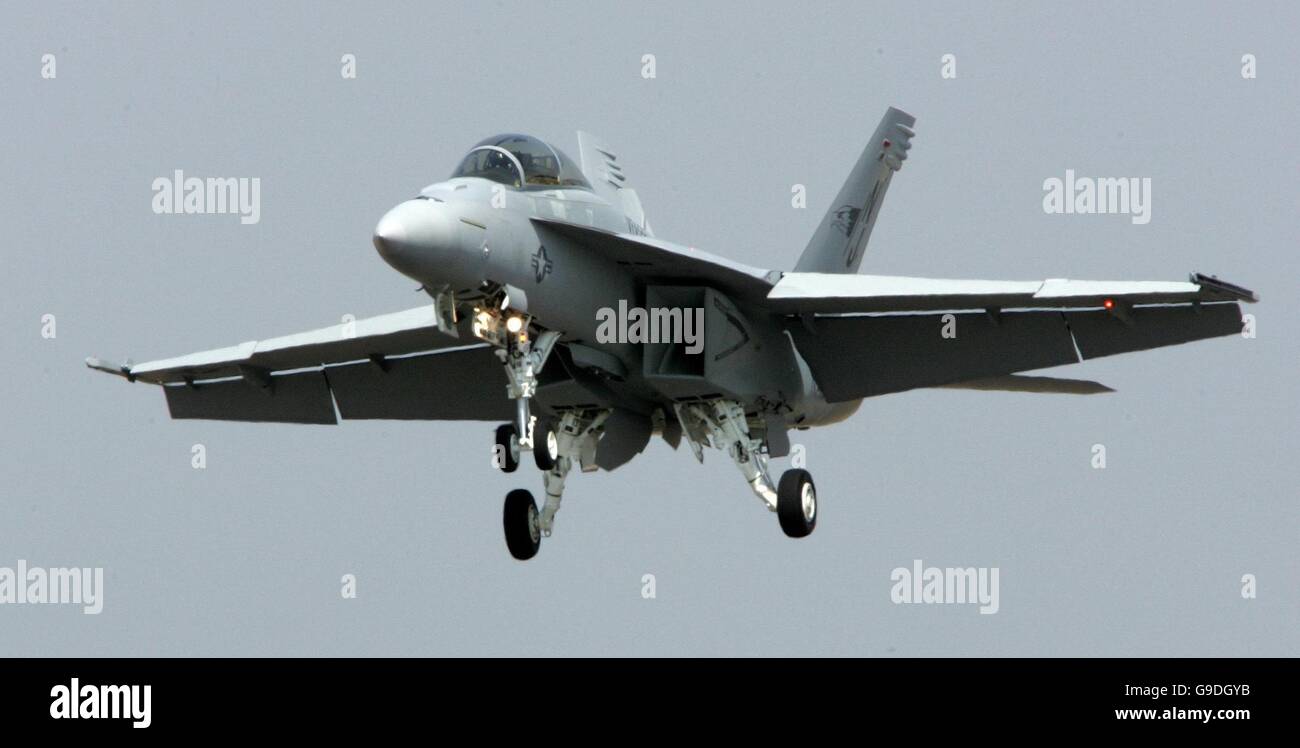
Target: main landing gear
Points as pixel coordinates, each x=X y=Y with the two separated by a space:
x=722 y=425
x=796 y=503
x=556 y=447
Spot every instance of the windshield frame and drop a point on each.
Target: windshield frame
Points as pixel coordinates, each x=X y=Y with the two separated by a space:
x=567 y=174
x=519 y=168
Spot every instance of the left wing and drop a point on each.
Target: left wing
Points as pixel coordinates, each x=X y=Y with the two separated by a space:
x=870 y=335
x=395 y=366
x=833 y=293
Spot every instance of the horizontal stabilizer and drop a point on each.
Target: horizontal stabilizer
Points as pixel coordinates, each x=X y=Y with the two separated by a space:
x=1023 y=383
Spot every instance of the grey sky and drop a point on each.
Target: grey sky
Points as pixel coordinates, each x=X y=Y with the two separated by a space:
x=1144 y=557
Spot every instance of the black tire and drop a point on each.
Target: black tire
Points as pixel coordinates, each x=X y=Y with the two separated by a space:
x=507 y=448
x=797 y=520
x=546 y=450
x=519 y=518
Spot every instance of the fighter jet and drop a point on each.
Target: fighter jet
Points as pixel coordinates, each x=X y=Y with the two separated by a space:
x=525 y=255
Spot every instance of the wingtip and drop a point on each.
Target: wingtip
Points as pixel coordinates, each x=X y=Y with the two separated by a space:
x=121 y=370
x=1212 y=283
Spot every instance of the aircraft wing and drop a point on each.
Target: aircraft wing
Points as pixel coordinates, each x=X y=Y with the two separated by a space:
x=661 y=261
x=804 y=293
x=394 y=366
x=870 y=335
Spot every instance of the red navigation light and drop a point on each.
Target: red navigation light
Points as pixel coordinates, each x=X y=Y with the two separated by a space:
x=1108 y=303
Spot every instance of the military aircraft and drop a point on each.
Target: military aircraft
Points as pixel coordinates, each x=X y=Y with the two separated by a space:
x=523 y=252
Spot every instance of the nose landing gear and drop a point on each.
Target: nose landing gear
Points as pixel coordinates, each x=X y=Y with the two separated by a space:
x=509 y=447
x=546 y=445
x=506 y=449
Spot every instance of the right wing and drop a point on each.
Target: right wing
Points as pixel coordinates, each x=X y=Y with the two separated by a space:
x=394 y=366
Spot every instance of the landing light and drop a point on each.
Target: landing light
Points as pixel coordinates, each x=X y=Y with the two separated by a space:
x=515 y=324
x=482 y=323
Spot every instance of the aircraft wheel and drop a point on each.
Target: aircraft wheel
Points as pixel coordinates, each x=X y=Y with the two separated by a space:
x=546 y=446
x=523 y=531
x=796 y=503
x=507 y=448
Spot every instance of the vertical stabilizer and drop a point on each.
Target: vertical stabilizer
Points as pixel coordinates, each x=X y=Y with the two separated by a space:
x=840 y=240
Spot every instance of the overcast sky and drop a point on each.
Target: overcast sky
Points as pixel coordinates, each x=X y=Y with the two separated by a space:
x=245 y=557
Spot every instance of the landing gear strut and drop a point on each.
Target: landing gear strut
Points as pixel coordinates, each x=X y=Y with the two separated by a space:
x=556 y=448
x=508 y=330
x=722 y=424
x=523 y=360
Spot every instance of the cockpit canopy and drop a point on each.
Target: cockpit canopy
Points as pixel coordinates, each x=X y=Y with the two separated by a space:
x=521 y=161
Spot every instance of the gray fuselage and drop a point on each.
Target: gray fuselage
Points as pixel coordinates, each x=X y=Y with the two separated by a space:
x=468 y=232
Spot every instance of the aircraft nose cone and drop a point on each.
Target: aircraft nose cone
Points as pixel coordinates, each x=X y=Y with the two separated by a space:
x=412 y=234
x=390 y=235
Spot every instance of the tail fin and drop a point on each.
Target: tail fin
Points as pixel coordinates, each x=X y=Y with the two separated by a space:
x=838 y=244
